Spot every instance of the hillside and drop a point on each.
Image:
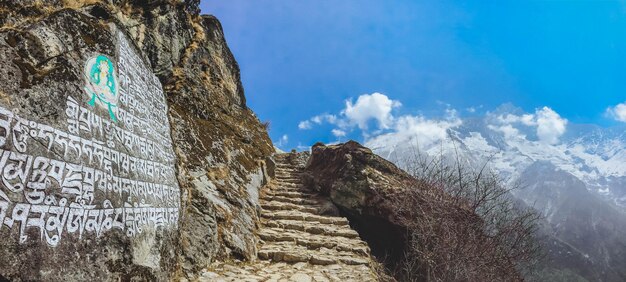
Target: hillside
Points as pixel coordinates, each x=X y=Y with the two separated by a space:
x=129 y=150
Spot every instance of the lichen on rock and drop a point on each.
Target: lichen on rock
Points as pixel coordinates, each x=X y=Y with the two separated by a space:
x=220 y=152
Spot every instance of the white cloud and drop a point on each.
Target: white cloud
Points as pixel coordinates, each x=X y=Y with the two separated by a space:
x=305 y=124
x=374 y=106
x=451 y=114
x=367 y=107
x=391 y=130
x=338 y=133
x=409 y=129
x=474 y=109
x=528 y=119
x=550 y=125
x=508 y=130
x=618 y=112
x=318 y=119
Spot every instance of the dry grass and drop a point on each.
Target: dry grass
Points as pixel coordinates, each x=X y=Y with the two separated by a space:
x=381 y=271
x=196 y=41
x=77 y=4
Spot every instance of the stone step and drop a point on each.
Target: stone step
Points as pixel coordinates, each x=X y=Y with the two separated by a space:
x=315 y=242
x=312 y=227
x=284 y=190
x=289 y=252
x=289 y=184
x=297 y=201
x=288 y=173
x=296 y=172
x=289 y=181
x=290 y=194
x=288 y=178
x=287 y=166
x=276 y=206
x=291 y=189
x=288 y=169
x=279 y=192
x=268 y=271
x=304 y=216
x=298 y=244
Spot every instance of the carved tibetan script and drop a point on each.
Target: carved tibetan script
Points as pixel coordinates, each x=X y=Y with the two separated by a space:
x=109 y=165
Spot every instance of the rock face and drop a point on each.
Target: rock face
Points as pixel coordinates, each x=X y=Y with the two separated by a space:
x=128 y=151
x=364 y=186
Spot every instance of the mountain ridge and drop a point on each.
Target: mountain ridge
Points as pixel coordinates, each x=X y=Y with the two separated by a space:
x=583 y=174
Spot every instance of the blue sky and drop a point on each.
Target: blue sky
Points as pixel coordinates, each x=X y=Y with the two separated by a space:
x=429 y=59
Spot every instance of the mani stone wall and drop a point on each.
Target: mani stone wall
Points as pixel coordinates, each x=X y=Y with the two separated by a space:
x=221 y=152
x=88 y=185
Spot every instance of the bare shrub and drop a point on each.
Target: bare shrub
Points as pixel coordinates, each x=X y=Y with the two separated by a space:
x=266 y=125
x=463 y=224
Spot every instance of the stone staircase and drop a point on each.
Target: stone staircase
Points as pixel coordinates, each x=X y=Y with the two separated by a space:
x=298 y=241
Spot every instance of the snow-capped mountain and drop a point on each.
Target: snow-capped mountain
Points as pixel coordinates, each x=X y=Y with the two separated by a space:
x=573 y=174
x=594 y=155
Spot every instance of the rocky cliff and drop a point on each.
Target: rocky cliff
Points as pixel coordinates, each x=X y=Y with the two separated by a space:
x=128 y=151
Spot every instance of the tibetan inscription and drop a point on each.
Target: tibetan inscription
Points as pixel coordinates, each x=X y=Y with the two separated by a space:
x=108 y=166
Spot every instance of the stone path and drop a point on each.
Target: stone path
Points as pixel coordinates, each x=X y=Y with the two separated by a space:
x=298 y=242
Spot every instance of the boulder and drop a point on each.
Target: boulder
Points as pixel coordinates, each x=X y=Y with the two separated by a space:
x=365 y=187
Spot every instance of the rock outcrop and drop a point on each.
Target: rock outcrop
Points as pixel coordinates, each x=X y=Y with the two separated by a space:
x=152 y=82
x=302 y=238
x=365 y=187
x=403 y=218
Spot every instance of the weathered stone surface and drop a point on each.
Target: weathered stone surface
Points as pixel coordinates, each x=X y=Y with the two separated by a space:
x=94 y=152
x=363 y=186
x=220 y=151
x=221 y=148
x=297 y=245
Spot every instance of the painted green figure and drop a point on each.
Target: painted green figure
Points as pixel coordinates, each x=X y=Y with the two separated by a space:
x=101 y=84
